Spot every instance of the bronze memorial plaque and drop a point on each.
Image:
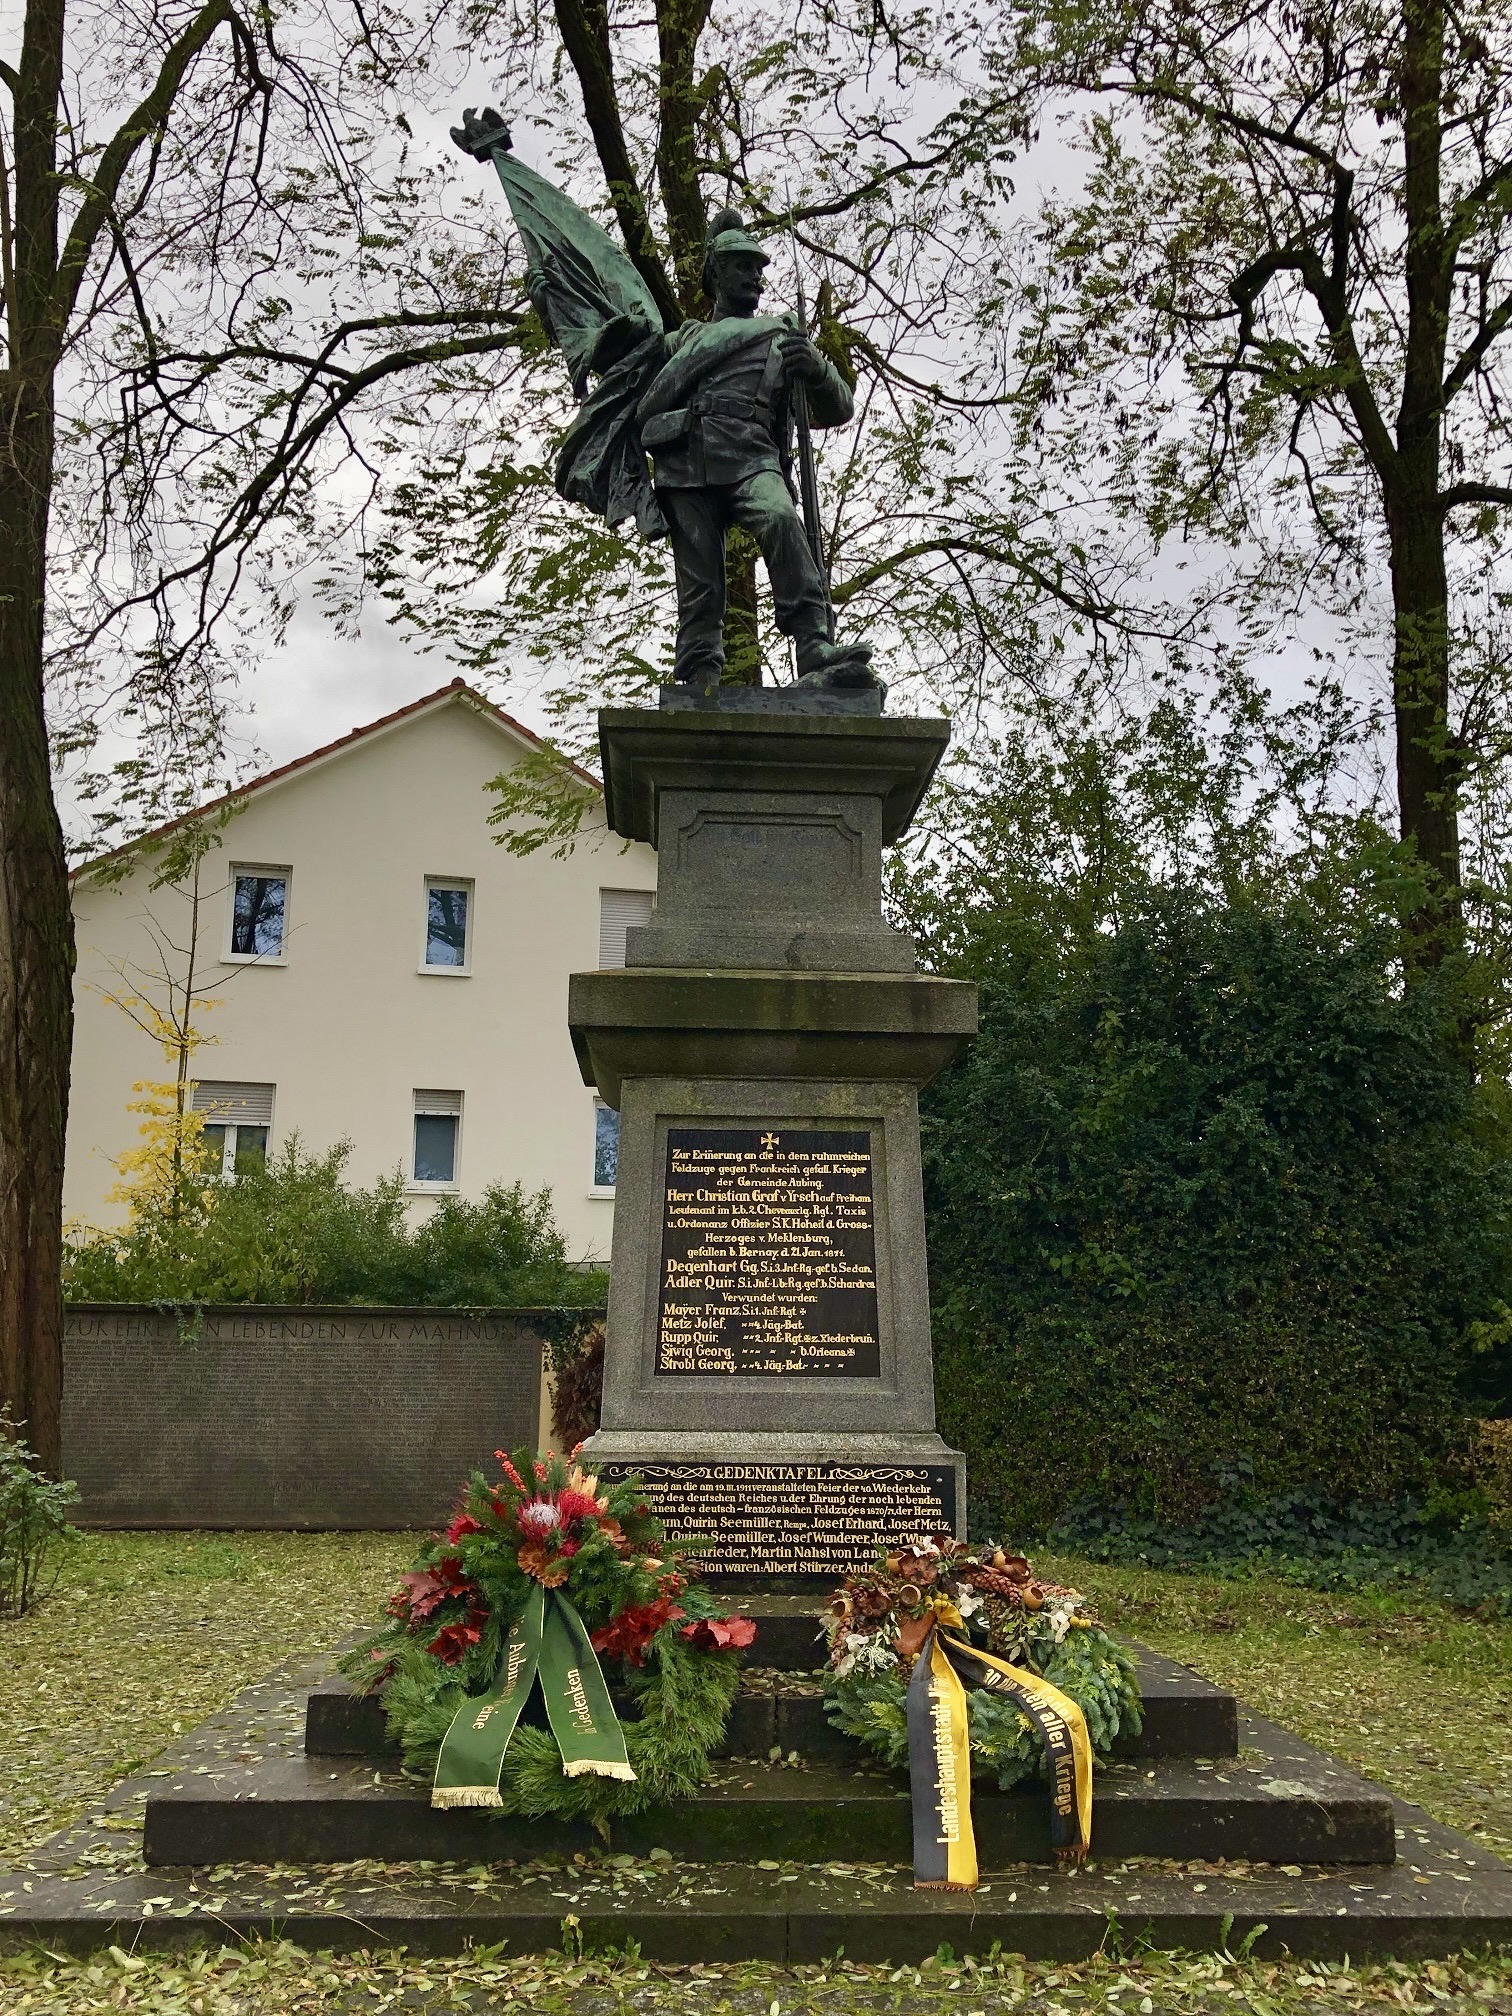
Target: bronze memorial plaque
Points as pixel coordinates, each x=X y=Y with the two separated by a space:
x=768 y=1262
x=800 y=1522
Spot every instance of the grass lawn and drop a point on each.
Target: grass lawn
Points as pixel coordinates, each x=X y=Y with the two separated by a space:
x=148 y=1633
x=1409 y=1694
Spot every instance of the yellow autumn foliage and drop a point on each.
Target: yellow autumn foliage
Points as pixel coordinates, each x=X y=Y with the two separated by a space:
x=165 y=1178
x=164 y=1175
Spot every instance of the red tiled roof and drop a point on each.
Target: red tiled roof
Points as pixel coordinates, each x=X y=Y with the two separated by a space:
x=457 y=689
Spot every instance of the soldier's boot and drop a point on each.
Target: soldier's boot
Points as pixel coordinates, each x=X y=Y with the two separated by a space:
x=835 y=667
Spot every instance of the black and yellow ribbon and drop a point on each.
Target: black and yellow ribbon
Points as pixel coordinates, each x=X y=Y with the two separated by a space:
x=939 y=1773
x=549 y=1643
x=939 y=1757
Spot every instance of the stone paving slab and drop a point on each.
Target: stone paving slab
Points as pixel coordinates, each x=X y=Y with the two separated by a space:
x=89 y=1887
x=1444 y=1900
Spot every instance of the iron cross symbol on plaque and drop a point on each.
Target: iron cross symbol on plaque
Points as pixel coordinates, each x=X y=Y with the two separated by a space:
x=769 y=1140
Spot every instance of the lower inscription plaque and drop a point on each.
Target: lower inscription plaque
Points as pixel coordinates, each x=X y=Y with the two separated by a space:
x=808 y=1521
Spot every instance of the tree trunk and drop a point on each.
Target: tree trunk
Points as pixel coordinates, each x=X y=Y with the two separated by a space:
x=36 y=959
x=584 y=28
x=36 y=930
x=679 y=24
x=1427 y=761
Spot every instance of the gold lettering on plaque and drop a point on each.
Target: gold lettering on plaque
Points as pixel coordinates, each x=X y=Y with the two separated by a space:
x=768 y=1262
x=815 y=1520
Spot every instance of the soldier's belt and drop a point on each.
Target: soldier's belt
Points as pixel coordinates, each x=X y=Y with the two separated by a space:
x=660 y=429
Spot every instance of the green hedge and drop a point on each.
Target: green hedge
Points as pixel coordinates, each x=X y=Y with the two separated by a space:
x=1212 y=1186
x=295 y=1232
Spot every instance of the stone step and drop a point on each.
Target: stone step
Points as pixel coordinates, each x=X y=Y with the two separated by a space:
x=1453 y=1898
x=789 y=1635
x=1445 y=1894
x=1286 y=1803
x=1185 y=1716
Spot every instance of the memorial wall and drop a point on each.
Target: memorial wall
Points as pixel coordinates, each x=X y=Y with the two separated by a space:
x=291 y=1418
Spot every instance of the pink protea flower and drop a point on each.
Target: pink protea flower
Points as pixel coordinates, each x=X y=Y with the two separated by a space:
x=539 y=1517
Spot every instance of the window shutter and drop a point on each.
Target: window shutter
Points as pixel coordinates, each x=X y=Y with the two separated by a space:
x=232 y=1104
x=438 y=1102
x=619 y=909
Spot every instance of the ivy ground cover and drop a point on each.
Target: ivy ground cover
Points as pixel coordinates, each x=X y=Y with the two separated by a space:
x=149 y=1631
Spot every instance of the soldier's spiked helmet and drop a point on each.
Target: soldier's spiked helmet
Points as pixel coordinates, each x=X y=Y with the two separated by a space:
x=727 y=234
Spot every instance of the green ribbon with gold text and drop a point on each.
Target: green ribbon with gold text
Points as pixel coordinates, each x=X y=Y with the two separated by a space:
x=548 y=1642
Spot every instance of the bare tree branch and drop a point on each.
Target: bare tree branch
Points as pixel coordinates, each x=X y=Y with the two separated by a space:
x=1473 y=493
x=1476 y=350
x=145 y=122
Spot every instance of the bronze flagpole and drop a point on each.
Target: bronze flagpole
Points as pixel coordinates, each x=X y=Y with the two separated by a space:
x=808 y=480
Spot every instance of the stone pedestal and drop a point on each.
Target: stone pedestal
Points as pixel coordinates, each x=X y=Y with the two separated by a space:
x=768 y=1365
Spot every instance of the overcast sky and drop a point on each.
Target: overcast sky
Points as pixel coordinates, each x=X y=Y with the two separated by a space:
x=318 y=686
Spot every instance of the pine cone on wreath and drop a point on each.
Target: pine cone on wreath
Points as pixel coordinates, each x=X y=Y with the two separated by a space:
x=998 y=1582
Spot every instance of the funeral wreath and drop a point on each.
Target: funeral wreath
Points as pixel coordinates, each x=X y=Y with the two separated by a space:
x=877 y=1623
x=960 y=1662
x=540 y=1575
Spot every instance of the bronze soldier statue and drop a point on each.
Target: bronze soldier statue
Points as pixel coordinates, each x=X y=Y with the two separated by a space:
x=712 y=403
x=718 y=423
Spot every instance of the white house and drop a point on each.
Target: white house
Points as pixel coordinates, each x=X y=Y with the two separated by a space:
x=382 y=971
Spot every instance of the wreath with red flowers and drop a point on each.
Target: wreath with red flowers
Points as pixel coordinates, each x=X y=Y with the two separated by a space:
x=669 y=1645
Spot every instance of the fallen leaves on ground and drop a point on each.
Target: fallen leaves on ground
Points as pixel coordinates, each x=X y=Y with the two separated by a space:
x=281 y=1980
x=150 y=1633
x=147 y=1634
x=1403 y=1690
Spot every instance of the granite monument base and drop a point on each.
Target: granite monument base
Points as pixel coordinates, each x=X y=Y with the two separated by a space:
x=767 y=1365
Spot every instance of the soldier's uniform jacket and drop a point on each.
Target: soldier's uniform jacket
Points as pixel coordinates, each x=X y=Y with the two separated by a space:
x=718 y=411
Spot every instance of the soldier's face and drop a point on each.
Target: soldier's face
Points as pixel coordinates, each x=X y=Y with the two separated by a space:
x=741 y=277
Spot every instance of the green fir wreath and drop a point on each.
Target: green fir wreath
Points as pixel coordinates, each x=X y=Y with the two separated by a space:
x=662 y=1636
x=877 y=1623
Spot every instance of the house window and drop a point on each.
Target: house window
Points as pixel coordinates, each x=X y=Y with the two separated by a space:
x=259 y=912
x=448 y=923
x=605 y=1146
x=438 y=1123
x=619 y=911
x=238 y=1118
